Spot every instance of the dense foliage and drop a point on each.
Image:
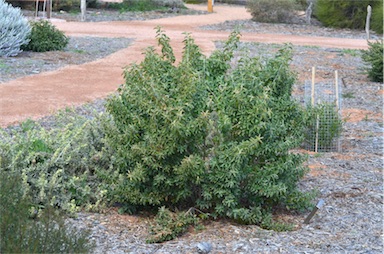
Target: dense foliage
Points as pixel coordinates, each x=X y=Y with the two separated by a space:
x=373 y=57
x=349 y=14
x=24 y=231
x=377 y=18
x=146 y=5
x=207 y=135
x=45 y=37
x=14 y=30
x=168 y=225
x=272 y=11
x=59 y=165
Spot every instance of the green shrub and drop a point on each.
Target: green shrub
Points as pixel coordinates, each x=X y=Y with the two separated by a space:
x=14 y=30
x=373 y=57
x=272 y=11
x=200 y=134
x=168 y=225
x=347 y=14
x=324 y=120
x=45 y=37
x=46 y=233
x=66 y=5
x=377 y=18
x=146 y=5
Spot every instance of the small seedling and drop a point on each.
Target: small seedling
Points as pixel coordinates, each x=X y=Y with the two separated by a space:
x=352 y=52
x=348 y=95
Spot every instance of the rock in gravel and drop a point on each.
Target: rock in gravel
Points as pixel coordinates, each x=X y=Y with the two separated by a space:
x=204 y=247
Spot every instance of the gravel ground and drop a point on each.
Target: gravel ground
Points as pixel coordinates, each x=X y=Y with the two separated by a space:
x=297 y=28
x=350 y=182
x=79 y=50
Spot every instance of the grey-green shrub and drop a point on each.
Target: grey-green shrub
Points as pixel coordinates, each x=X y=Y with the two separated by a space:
x=62 y=166
x=200 y=134
x=22 y=232
x=45 y=37
x=373 y=58
x=14 y=30
x=272 y=11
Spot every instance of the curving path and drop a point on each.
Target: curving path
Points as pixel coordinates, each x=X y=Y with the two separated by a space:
x=38 y=95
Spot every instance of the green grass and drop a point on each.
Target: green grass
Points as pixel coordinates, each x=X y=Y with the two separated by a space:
x=134 y=6
x=348 y=95
x=4 y=67
x=352 y=52
x=79 y=51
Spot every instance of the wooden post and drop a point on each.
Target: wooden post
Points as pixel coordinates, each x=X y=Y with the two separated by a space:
x=44 y=8
x=313 y=87
x=83 y=8
x=37 y=8
x=210 y=5
x=49 y=9
x=369 y=13
x=308 y=13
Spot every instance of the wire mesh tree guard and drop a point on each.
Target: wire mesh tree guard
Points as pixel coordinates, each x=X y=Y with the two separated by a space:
x=323 y=102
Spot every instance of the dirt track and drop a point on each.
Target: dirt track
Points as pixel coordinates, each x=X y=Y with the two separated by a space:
x=41 y=94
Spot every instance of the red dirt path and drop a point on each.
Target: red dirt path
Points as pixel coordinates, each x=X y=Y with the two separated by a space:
x=38 y=95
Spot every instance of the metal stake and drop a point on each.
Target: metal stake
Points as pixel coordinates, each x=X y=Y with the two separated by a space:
x=317 y=207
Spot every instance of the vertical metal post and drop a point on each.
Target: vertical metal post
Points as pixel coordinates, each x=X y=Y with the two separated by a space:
x=317 y=134
x=313 y=87
x=337 y=105
x=337 y=89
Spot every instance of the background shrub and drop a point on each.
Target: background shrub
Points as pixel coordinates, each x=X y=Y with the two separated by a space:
x=202 y=135
x=45 y=37
x=169 y=3
x=377 y=18
x=373 y=57
x=349 y=14
x=14 y=30
x=66 y=5
x=146 y=5
x=272 y=11
x=46 y=233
